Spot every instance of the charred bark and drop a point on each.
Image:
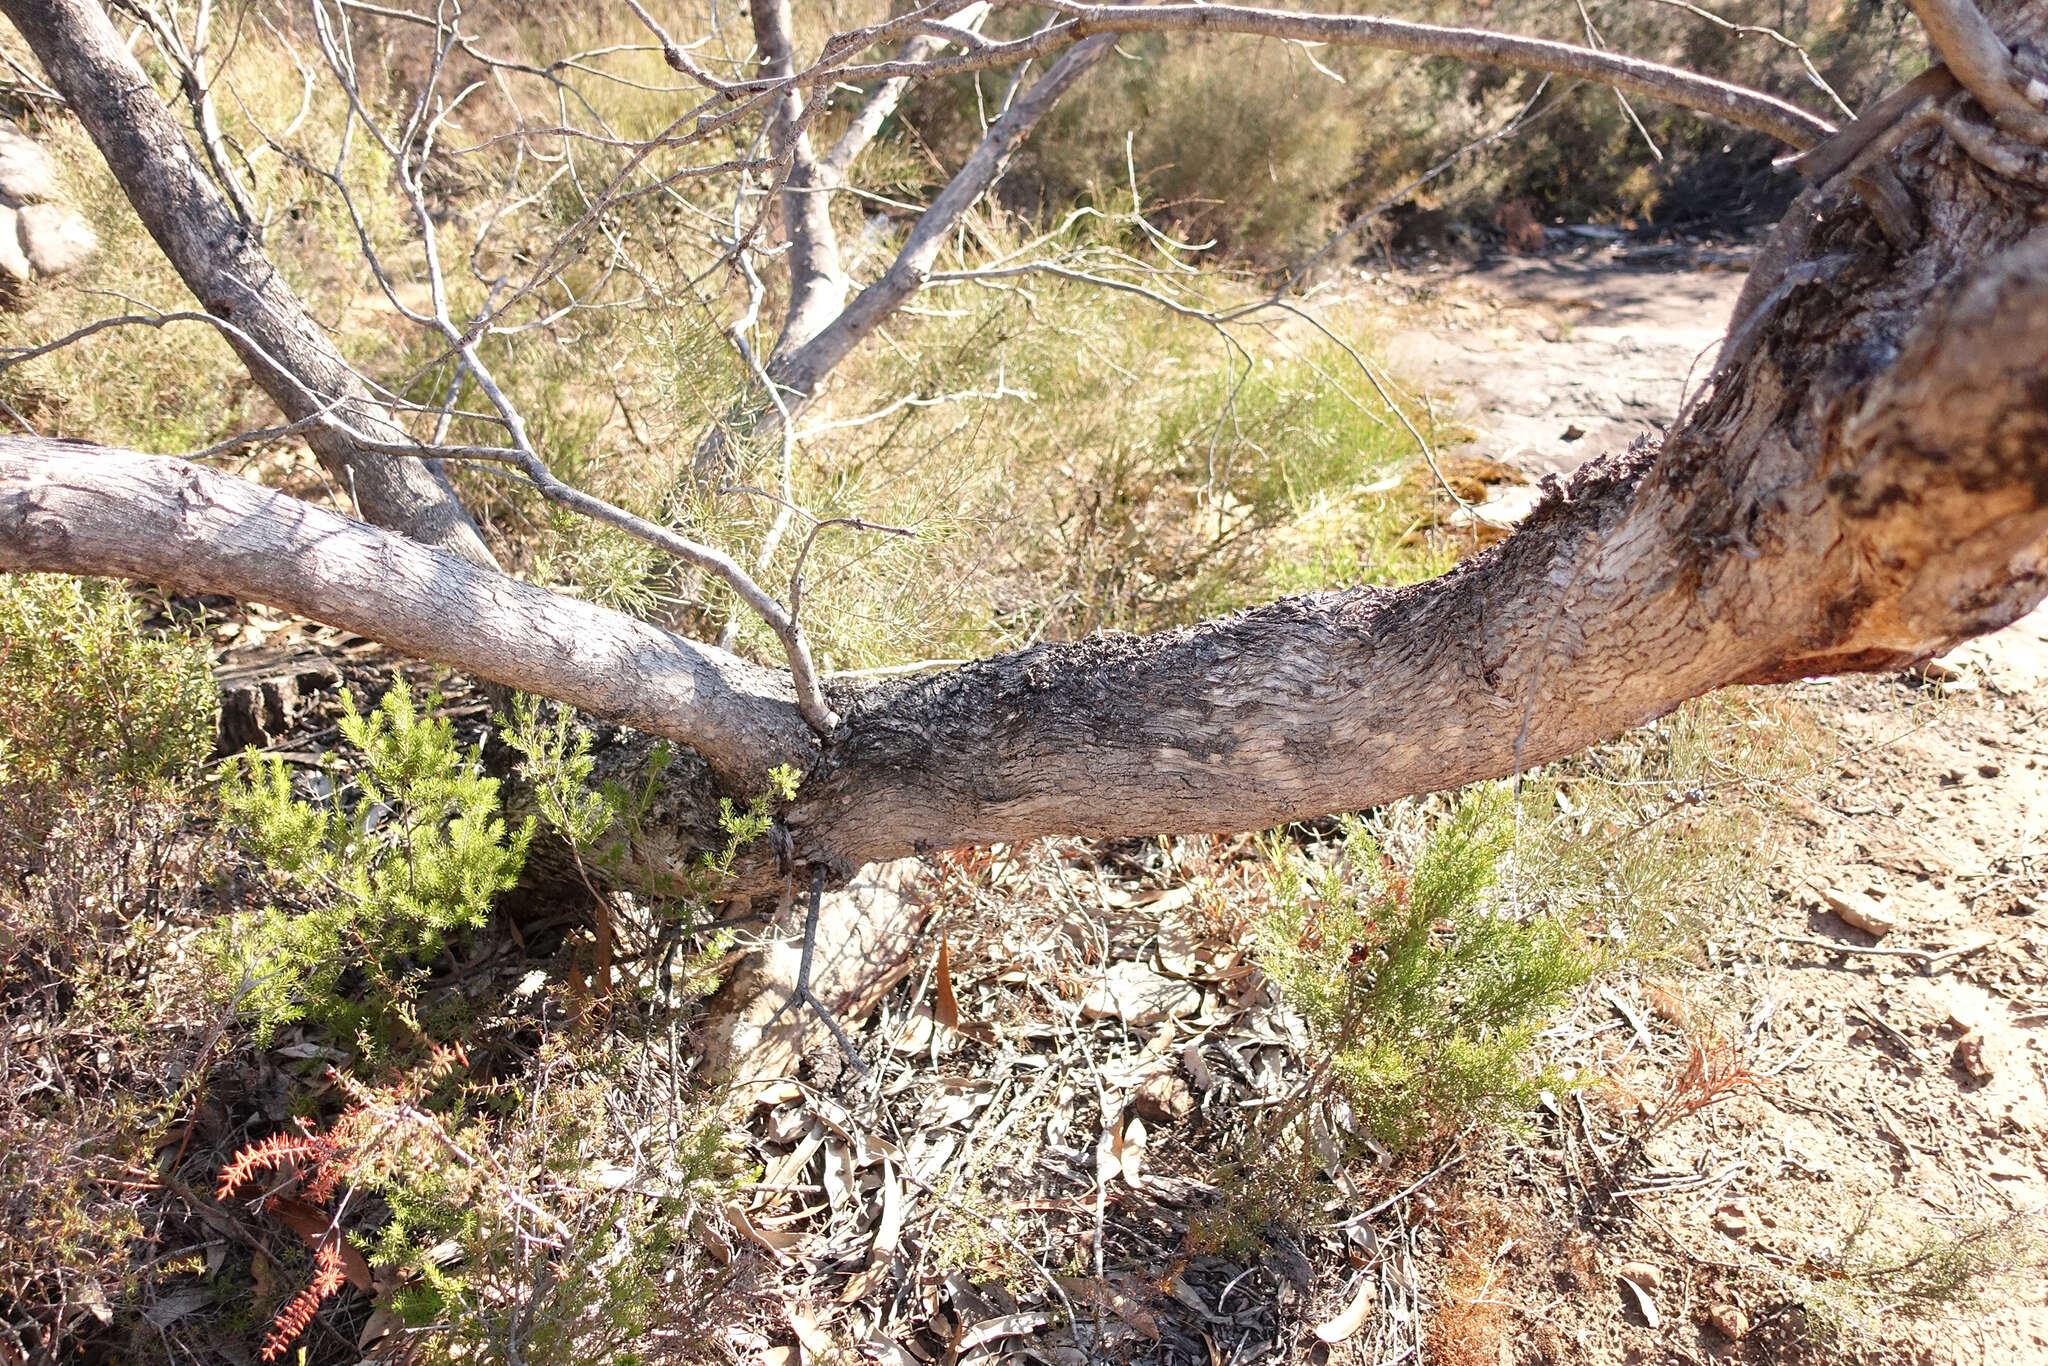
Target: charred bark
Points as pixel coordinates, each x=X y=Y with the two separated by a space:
x=1864 y=483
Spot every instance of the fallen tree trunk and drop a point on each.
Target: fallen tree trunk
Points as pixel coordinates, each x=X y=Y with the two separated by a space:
x=1864 y=484
x=1780 y=534
x=1787 y=529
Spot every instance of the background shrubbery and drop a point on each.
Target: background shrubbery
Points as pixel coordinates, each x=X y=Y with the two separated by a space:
x=1251 y=145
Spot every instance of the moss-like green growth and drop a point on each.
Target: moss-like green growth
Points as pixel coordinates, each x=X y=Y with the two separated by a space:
x=388 y=872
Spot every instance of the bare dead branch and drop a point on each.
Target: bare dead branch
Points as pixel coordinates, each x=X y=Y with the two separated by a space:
x=805 y=367
x=1980 y=60
x=1740 y=106
x=220 y=262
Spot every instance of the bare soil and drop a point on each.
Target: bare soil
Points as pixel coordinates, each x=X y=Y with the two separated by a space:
x=1899 y=1124
x=1790 y=1149
x=1802 y=1141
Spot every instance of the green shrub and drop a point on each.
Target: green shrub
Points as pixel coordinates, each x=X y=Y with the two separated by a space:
x=87 y=696
x=1420 y=996
x=387 y=875
x=1241 y=143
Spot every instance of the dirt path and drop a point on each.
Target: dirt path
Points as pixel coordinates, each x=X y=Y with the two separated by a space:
x=1551 y=359
x=1876 y=1196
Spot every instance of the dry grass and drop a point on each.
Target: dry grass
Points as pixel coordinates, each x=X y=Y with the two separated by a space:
x=1473 y=1317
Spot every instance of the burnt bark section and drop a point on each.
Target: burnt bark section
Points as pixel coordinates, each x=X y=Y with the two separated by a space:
x=1864 y=484
x=285 y=351
x=1867 y=486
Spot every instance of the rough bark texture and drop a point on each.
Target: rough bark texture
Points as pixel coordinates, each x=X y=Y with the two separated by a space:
x=1869 y=486
x=1866 y=483
x=226 y=270
x=82 y=509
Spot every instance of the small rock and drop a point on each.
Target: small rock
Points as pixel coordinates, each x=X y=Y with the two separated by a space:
x=1574 y=432
x=1163 y=1098
x=27 y=175
x=13 y=264
x=56 y=240
x=1973 y=1058
x=1989 y=770
x=1860 y=911
x=1732 y=1218
x=1644 y=1274
x=1729 y=1321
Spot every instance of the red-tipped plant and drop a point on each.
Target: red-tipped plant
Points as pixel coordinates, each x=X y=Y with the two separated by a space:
x=328 y=1277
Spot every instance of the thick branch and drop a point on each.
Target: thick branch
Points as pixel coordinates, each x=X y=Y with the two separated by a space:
x=1882 y=523
x=1864 y=485
x=78 y=509
x=284 y=349
x=1972 y=49
x=1738 y=105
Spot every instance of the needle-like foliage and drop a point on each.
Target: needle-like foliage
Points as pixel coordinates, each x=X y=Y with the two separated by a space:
x=410 y=852
x=1421 y=995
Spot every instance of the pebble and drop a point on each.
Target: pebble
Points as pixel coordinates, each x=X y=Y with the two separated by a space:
x=1860 y=911
x=1644 y=1274
x=1729 y=1321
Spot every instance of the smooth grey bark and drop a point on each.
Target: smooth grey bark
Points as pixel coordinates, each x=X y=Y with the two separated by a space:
x=1864 y=484
x=817 y=284
x=220 y=261
x=804 y=368
x=819 y=333
x=81 y=509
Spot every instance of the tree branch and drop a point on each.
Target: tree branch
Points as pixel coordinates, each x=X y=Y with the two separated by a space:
x=804 y=368
x=1972 y=50
x=1887 y=519
x=72 y=508
x=817 y=283
x=1738 y=105
x=962 y=28
x=284 y=350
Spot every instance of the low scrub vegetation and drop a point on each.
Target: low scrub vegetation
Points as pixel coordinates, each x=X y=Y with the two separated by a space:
x=1421 y=990
x=296 y=1066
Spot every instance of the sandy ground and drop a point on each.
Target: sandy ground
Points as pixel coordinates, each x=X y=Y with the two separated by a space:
x=1551 y=359
x=1049 y=1163
x=1902 y=1123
